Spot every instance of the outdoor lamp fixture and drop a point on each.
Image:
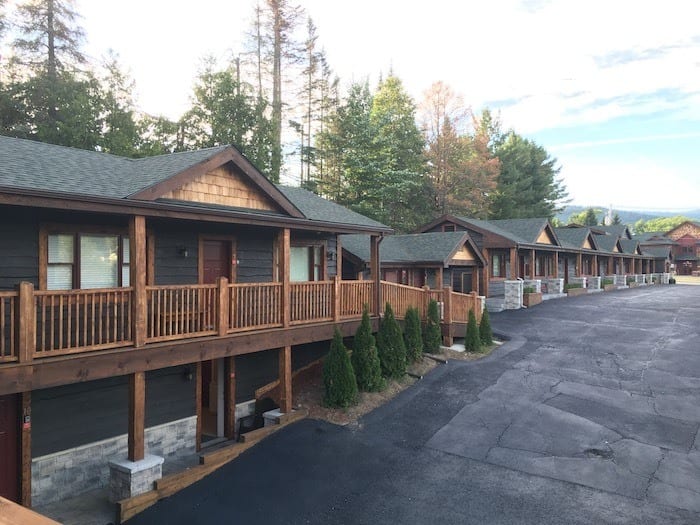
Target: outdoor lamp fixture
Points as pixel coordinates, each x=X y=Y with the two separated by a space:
x=330 y=256
x=182 y=250
x=188 y=374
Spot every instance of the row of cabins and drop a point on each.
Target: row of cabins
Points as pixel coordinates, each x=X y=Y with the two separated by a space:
x=683 y=243
x=483 y=257
x=152 y=307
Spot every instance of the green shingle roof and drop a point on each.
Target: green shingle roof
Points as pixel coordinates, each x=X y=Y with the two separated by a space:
x=30 y=165
x=629 y=246
x=434 y=247
x=27 y=164
x=572 y=237
x=606 y=243
x=522 y=231
x=657 y=252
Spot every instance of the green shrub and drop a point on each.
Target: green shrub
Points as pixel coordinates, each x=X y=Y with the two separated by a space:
x=485 y=331
x=631 y=280
x=365 y=360
x=472 y=341
x=573 y=285
x=528 y=289
x=432 y=337
x=338 y=375
x=607 y=281
x=390 y=346
x=413 y=335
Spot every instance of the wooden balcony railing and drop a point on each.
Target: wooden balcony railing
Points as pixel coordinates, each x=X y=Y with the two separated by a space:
x=39 y=324
x=8 y=341
x=255 y=306
x=177 y=312
x=69 y=321
x=311 y=301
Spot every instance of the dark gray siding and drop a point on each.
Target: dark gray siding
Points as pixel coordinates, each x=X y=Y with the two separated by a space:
x=170 y=266
x=255 y=257
x=255 y=370
x=19 y=248
x=74 y=415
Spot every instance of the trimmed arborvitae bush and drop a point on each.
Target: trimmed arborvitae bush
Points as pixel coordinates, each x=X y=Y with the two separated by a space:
x=338 y=375
x=432 y=337
x=390 y=346
x=472 y=342
x=485 y=331
x=365 y=360
x=413 y=335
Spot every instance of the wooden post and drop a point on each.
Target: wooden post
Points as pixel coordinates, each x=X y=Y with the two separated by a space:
x=486 y=272
x=224 y=305
x=230 y=397
x=533 y=256
x=375 y=274
x=285 y=378
x=137 y=415
x=514 y=264
x=440 y=279
x=338 y=257
x=579 y=264
x=556 y=265
x=26 y=449
x=25 y=319
x=447 y=339
x=137 y=277
x=336 y=298
x=476 y=306
x=285 y=249
x=198 y=404
x=595 y=271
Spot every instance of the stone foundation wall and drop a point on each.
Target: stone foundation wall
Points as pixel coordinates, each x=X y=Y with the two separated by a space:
x=84 y=468
x=513 y=295
x=593 y=283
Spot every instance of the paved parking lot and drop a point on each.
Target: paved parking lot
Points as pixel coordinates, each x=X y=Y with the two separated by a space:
x=589 y=414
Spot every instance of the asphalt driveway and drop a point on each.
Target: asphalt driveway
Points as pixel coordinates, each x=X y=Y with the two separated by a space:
x=589 y=414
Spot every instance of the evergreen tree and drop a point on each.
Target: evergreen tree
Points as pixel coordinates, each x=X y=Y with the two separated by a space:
x=338 y=375
x=413 y=335
x=120 y=133
x=390 y=346
x=528 y=185
x=432 y=337
x=472 y=340
x=365 y=360
x=485 y=331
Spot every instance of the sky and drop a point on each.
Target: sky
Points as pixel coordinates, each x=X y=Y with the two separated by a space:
x=610 y=88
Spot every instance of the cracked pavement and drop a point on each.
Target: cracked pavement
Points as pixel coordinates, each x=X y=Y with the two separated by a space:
x=590 y=414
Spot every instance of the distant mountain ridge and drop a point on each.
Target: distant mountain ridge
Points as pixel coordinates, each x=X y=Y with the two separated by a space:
x=628 y=217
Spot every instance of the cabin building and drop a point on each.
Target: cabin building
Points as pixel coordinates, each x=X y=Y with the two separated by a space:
x=144 y=301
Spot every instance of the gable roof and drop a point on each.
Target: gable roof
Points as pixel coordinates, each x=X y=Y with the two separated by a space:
x=630 y=246
x=650 y=237
x=575 y=237
x=657 y=252
x=621 y=230
x=415 y=248
x=607 y=243
x=518 y=231
x=30 y=167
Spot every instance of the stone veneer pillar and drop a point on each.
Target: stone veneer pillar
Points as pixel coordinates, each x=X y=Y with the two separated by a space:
x=131 y=478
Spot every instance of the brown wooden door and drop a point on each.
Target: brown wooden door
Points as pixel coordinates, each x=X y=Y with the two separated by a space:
x=217 y=256
x=9 y=479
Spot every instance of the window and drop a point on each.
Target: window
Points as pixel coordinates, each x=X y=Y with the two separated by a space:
x=306 y=263
x=497 y=265
x=449 y=228
x=87 y=260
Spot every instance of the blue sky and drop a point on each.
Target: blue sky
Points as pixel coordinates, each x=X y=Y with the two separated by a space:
x=610 y=88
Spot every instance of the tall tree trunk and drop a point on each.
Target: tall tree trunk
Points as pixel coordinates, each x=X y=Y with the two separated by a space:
x=276 y=157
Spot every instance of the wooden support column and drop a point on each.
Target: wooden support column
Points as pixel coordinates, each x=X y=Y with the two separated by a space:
x=595 y=271
x=198 y=404
x=230 y=397
x=285 y=377
x=336 y=298
x=224 y=305
x=375 y=274
x=486 y=272
x=579 y=264
x=137 y=415
x=285 y=249
x=338 y=256
x=556 y=265
x=533 y=266
x=137 y=277
x=25 y=449
x=440 y=279
x=514 y=264
x=25 y=319
x=448 y=337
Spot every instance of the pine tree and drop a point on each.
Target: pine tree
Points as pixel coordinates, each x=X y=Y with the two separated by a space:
x=338 y=375
x=365 y=360
x=390 y=345
x=413 y=335
x=472 y=341
x=485 y=331
x=432 y=337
